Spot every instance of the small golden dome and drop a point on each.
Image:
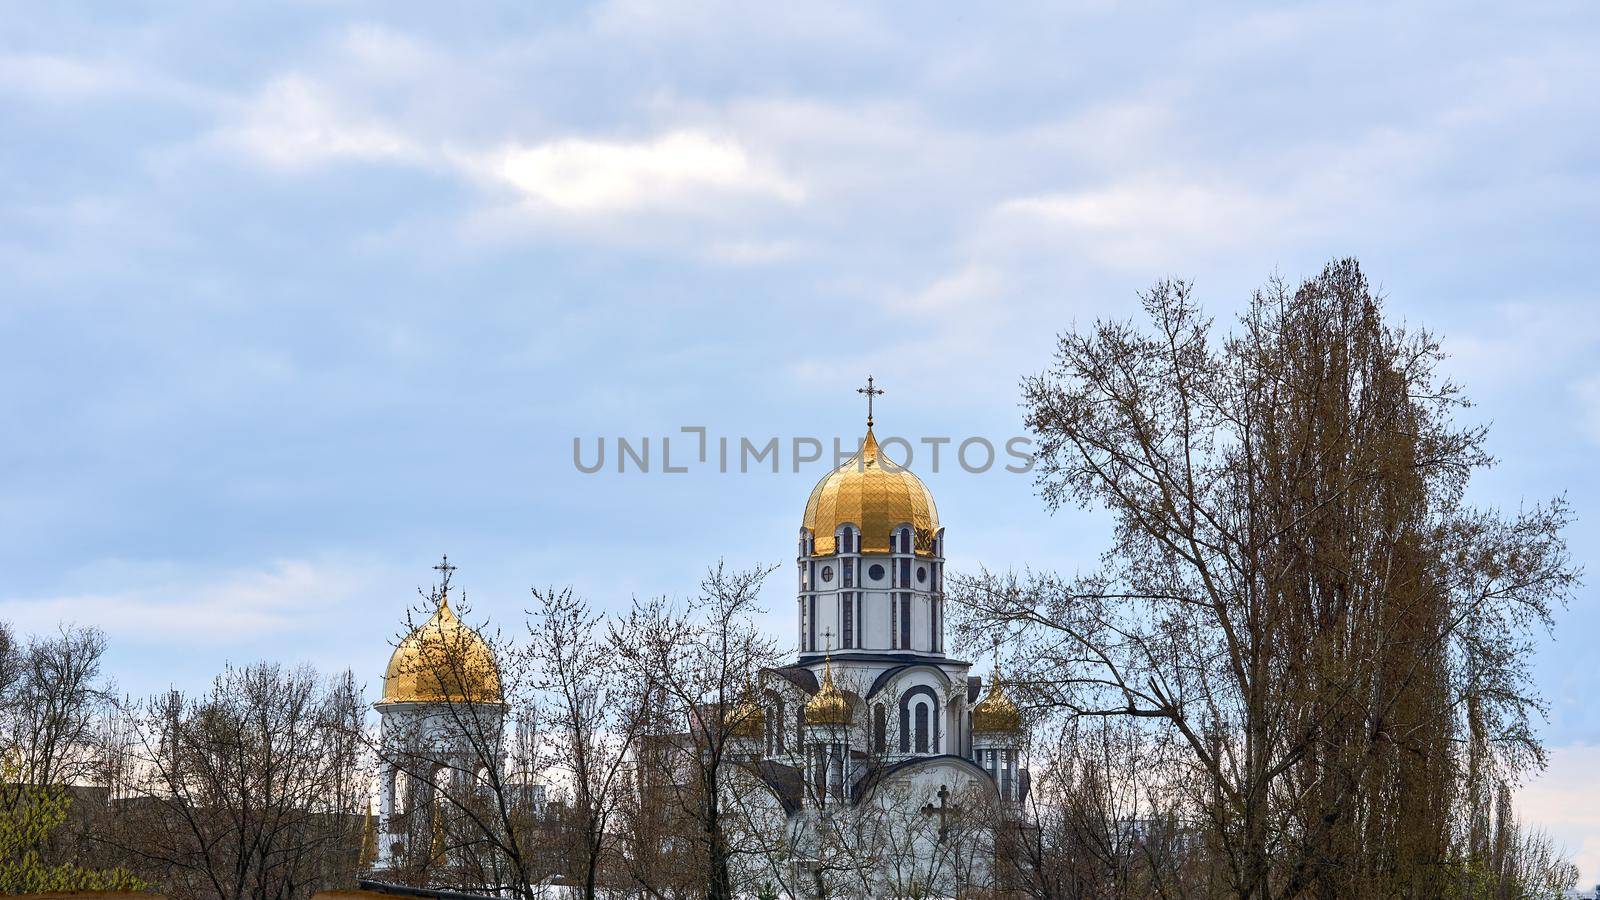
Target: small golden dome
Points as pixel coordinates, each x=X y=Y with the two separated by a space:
x=829 y=705
x=442 y=661
x=996 y=712
x=876 y=499
x=748 y=720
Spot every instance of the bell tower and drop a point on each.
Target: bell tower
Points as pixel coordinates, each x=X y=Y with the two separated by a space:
x=871 y=559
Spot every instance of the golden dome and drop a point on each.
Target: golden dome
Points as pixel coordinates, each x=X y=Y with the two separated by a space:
x=442 y=661
x=876 y=499
x=829 y=705
x=748 y=720
x=996 y=712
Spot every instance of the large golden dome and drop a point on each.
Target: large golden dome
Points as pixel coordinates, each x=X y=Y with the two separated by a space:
x=876 y=499
x=442 y=661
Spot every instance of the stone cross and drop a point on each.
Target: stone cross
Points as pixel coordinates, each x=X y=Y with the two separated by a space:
x=944 y=810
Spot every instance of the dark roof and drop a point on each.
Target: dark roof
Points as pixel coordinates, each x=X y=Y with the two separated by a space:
x=786 y=782
x=886 y=656
x=800 y=676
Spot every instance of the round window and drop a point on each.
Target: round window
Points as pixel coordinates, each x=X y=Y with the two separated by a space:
x=922 y=573
x=876 y=572
x=827 y=573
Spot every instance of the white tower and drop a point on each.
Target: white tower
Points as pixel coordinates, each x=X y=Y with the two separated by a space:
x=441 y=708
x=871 y=561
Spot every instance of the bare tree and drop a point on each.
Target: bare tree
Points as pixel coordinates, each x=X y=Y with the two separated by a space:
x=254 y=789
x=590 y=721
x=53 y=703
x=692 y=668
x=1296 y=588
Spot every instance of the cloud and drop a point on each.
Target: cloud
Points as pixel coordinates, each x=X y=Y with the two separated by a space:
x=674 y=170
x=753 y=252
x=59 y=78
x=1565 y=801
x=173 y=607
x=965 y=290
x=1521 y=342
x=1143 y=221
x=295 y=123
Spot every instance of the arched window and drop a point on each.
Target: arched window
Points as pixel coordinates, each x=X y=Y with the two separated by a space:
x=775 y=720
x=402 y=790
x=880 y=729
x=919 y=722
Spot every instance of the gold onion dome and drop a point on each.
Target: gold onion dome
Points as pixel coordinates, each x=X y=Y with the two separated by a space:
x=442 y=661
x=996 y=711
x=875 y=495
x=829 y=705
x=748 y=720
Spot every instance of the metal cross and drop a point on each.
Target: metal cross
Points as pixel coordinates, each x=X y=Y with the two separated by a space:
x=943 y=811
x=827 y=640
x=444 y=569
x=871 y=392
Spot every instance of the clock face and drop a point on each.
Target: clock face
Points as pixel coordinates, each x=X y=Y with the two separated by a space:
x=876 y=572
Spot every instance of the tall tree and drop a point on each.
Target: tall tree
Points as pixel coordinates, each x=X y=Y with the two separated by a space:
x=1295 y=588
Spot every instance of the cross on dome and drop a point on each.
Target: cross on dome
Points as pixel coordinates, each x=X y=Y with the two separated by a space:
x=871 y=392
x=444 y=569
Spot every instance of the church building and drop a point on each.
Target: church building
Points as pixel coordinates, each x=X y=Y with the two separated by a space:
x=873 y=738
x=873 y=763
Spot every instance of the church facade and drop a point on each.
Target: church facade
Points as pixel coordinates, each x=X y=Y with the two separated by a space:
x=891 y=767
x=871 y=764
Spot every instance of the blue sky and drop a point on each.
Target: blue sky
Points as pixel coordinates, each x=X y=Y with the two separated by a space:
x=298 y=297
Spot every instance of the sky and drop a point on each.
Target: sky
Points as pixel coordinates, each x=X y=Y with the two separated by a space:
x=298 y=297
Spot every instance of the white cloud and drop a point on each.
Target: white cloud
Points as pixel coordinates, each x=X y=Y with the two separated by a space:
x=1523 y=342
x=294 y=122
x=176 y=608
x=1143 y=221
x=753 y=252
x=970 y=287
x=1565 y=801
x=59 y=78
x=674 y=170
